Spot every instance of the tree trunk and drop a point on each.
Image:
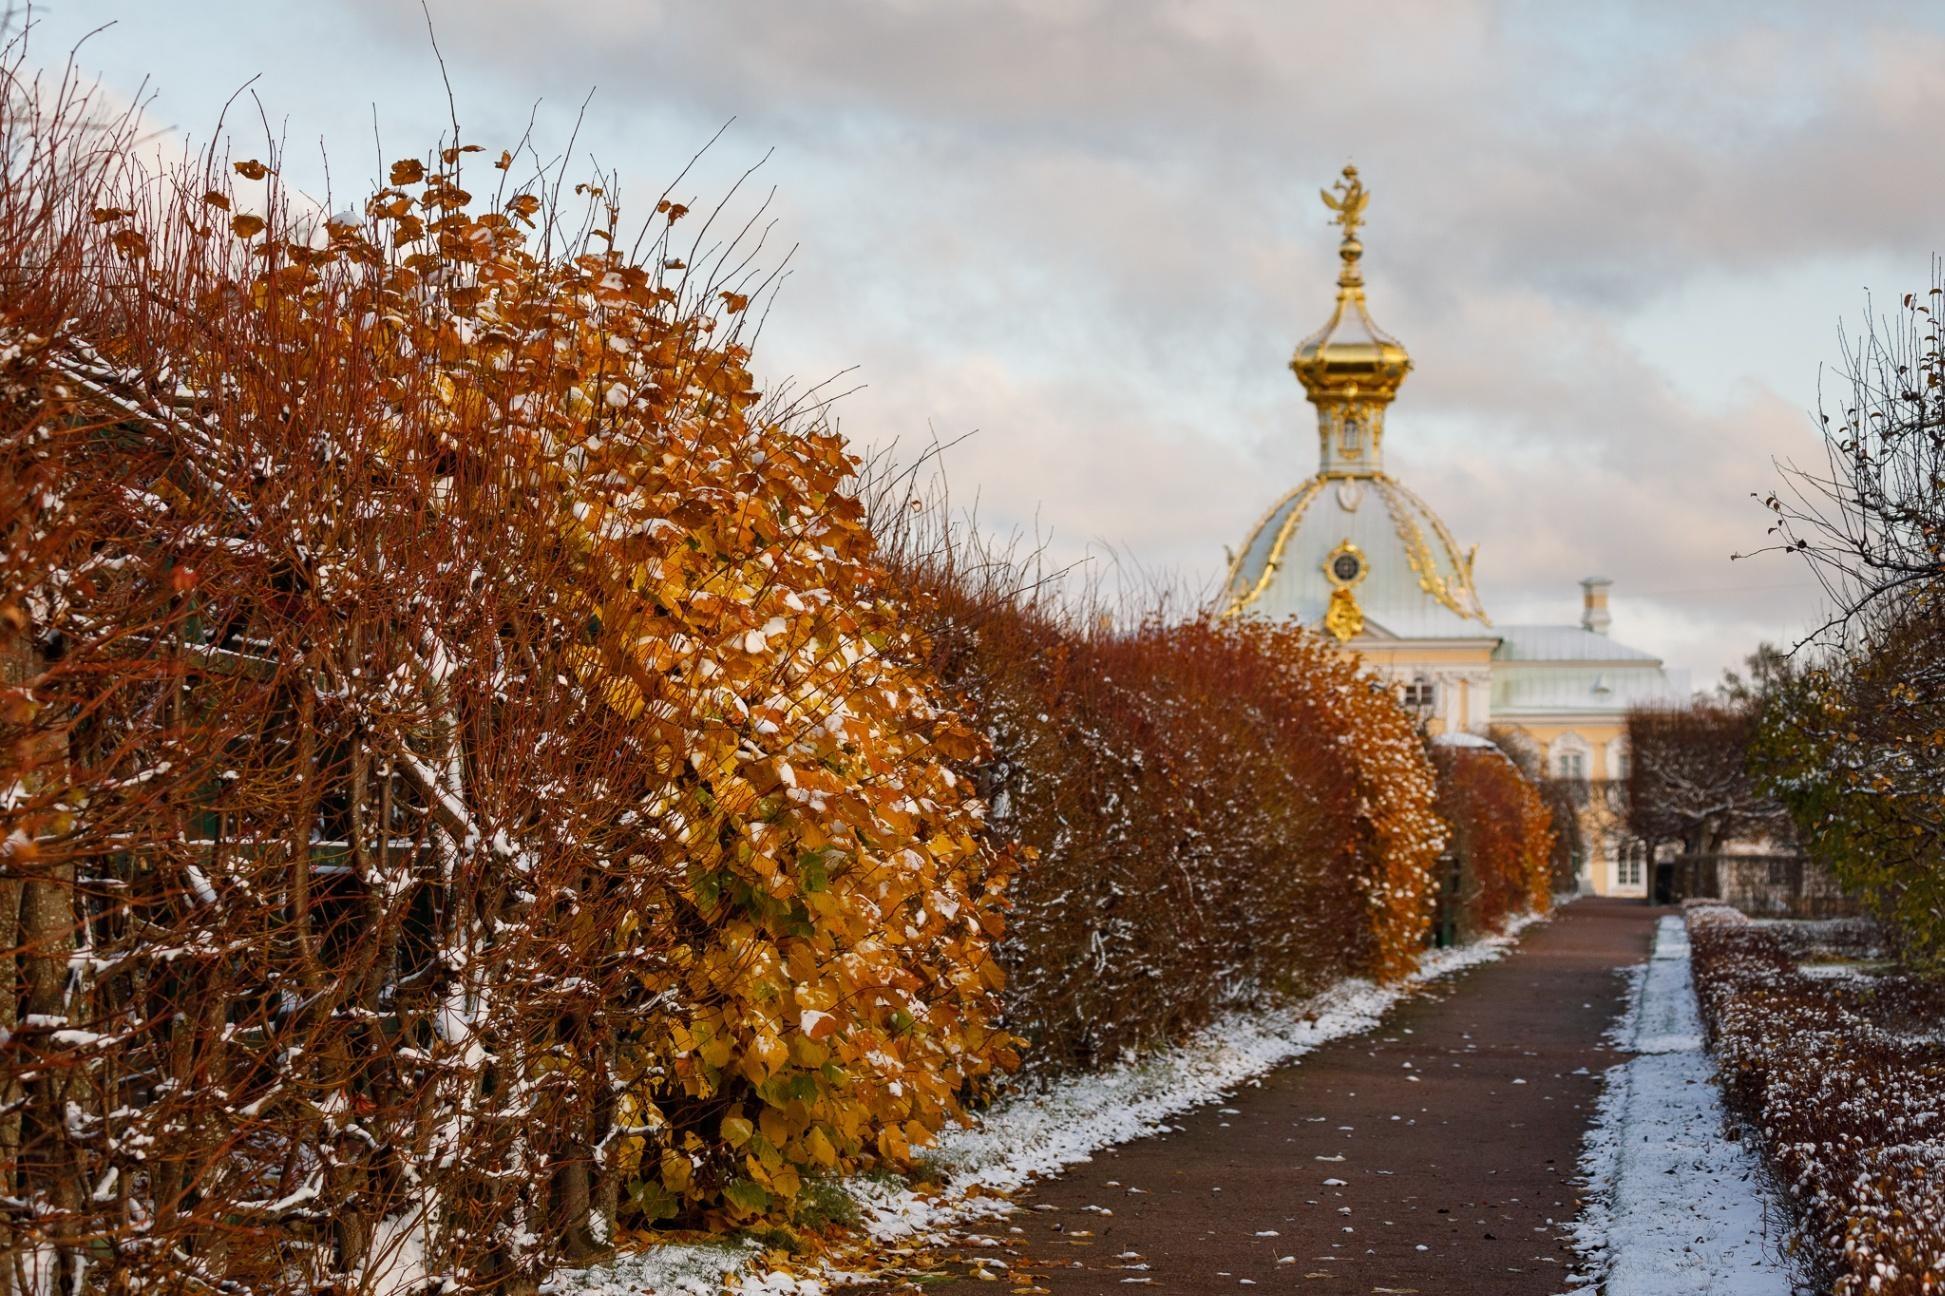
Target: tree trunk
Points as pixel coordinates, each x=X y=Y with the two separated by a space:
x=37 y=930
x=17 y=666
x=47 y=927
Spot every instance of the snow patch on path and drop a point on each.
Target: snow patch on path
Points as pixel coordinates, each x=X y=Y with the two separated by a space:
x=1674 y=1206
x=1040 y=1129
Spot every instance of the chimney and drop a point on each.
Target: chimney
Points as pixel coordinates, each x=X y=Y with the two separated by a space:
x=1593 y=605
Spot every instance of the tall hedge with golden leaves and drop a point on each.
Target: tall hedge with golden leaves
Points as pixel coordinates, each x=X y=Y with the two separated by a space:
x=827 y=935
x=1502 y=832
x=1222 y=811
x=441 y=639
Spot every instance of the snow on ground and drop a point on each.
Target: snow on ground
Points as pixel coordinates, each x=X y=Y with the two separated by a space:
x=1040 y=1129
x=682 y=1269
x=1675 y=1207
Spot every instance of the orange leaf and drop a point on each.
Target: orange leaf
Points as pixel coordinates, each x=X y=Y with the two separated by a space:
x=734 y=302
x=246 y=225
x=252 y=169
x=216 y=198
x=408 y=171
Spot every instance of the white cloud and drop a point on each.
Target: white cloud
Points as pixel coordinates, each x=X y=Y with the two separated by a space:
x=1089 y=229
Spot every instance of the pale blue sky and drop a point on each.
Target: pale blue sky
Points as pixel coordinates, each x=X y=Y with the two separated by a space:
x=1618 y=240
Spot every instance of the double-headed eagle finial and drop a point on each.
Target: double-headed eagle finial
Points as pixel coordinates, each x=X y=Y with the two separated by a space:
x=1348 y=198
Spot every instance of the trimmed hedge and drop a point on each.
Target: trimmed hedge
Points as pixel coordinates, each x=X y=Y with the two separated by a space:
x=1844 y=1077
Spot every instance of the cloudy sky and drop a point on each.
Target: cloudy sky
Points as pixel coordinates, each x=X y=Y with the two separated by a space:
x=1619 y=242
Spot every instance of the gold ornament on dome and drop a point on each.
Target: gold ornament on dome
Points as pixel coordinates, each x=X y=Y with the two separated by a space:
x=1351 y=368
x=1344 y=618
x=1299 y=501
x=1457 y=594
x=1345 y=568
x=1348 y=198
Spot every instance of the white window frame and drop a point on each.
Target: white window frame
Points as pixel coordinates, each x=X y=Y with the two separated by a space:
x=1420 y=693
x=1633 y=865
x=1617 y=760
x=1569 y=757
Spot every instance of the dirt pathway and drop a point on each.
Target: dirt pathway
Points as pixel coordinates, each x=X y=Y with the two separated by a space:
x=1435 y=1154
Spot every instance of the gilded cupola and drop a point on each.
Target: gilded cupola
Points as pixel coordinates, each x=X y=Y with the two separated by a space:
x=1350 y=368
x=1351 y=549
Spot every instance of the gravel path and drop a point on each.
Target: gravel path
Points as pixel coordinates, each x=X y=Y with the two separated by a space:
x=1433 y=1155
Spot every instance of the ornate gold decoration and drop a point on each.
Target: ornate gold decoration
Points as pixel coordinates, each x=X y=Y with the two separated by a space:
x=1350 y=368
x=1347 y=198
x=1300 y=500
x=1344 y=618
x=1346 y=549
x=1458 y=595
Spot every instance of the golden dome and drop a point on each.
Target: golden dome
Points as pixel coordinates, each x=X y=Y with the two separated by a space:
x=1352 y=549
x=1350 y=368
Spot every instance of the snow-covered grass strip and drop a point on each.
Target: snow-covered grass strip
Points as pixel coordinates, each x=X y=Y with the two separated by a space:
x=1674 y=1206
x=1041 y=1128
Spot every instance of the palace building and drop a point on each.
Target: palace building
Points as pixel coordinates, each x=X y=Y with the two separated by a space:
x=1357 y=554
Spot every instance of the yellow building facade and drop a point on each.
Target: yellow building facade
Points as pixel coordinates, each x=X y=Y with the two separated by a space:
x=1357 y=554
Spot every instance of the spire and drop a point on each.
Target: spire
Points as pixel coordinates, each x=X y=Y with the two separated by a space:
x=1350 y=368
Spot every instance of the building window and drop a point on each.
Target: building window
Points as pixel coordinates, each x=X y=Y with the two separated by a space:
x=1570 y=757
x=1353 y=439
x=1421 y=695
x=1617 y=760
x=1632 y=860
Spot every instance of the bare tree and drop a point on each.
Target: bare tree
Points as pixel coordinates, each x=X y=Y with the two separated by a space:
x=1871 y=521
x=1689 y=778
x=1855 y=750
